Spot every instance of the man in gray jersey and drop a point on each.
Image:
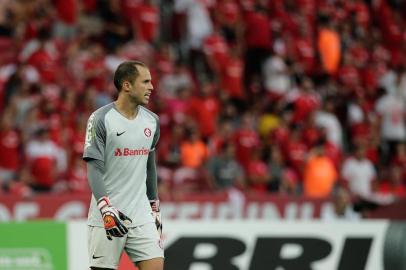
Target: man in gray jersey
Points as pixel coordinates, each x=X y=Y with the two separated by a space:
x=120 y=154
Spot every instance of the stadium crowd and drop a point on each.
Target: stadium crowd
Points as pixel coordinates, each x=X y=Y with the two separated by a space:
x=294 y=97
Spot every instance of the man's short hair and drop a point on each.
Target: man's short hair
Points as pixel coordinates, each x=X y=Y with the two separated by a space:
x=126 y=71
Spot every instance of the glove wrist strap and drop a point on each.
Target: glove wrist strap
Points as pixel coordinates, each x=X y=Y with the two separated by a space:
x=103 y=202
x=155 y=205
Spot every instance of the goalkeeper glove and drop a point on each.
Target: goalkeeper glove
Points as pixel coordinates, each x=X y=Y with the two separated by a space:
x=156 y=213
x=113 y=219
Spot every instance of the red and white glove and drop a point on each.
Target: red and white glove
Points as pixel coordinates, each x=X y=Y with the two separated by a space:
x=114 y=221
x=156 y=212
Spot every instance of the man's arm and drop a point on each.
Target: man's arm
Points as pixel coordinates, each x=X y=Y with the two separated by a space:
x=152 y=179
x=95 y=172
x=152 y=190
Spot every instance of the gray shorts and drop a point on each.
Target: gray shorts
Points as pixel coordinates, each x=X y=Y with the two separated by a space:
x=141 y=243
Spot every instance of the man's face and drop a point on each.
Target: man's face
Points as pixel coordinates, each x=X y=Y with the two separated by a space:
x=141 y=88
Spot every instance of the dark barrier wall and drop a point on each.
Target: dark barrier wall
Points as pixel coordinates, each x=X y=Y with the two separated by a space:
x=394 y=252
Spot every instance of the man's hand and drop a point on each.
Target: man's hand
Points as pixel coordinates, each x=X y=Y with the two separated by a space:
x=156 y=212
x=114 y=220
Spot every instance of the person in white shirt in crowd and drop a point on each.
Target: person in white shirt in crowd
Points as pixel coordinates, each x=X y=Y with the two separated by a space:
x=391 y=109
x=359 y=172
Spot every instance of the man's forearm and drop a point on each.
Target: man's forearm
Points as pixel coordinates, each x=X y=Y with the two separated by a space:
x=95 y=172
x=152 y=178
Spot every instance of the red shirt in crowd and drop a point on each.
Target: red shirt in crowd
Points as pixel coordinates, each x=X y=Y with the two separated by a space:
x=205 y=111
x=96 y=69
x=359 y=54
x=349 y=76
x=305 y=104
x=46 y=65
x=311 y=134
x=304 y=53
x=42 y=170
x=228 y=11
x=257 y=173
x=258 y=30
x=361 y=11
x=9 y=149
x=130 y=7
x=296 y=152
x=387 y=188
x=146 y=22
x=216 y=50
x=67 y=11
x=231 y=77
x=246 y=142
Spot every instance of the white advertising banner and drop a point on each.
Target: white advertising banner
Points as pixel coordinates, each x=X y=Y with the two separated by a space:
x=259 y=245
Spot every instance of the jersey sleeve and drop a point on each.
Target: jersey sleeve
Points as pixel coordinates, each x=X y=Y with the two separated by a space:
x=95 y=141
x=156 y=136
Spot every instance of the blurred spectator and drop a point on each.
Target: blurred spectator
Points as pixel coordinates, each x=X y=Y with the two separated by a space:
x=228 y=16
x=216 y=51
x=304 y=51
x=204 y=109
x=116 y=29
x=341 y=209
x=329 y=46
x=175 y=80
x=77 y=176
x=359 y=173
x=42 y=53
x=146 y=22
x=268 y=121
x=320 y=175
x=190 y=176
x=295 y=150
x=246 y=139
x=305 y=100
x=6 y=23
x=327 y=119
x=349 y=75
x=224 y=170
x=395 y=184
x=257 y=172
x=276 y=169
x=276 y=73
x=45 y=160
x=311 y=133
x=10 y=143
x=223 y=134
x=67 y=14
x=391 y=108
x=258 y=40
x=21 y=185
x=399 y=159
x=231 y=77
x=179 y=105
x=169 y=156
x=198 y=26
x=16 y=76
x=193 y=150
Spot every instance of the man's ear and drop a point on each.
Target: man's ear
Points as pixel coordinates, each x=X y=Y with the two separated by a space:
x=126 y=86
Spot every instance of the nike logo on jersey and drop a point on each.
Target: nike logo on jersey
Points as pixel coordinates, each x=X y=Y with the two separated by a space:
x=119 y=134
x=96 y=257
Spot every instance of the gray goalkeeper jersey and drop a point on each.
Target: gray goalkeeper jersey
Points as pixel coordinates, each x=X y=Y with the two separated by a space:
x=124 y=146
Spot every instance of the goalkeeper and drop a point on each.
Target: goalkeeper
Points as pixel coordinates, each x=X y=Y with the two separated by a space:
x=120 y=154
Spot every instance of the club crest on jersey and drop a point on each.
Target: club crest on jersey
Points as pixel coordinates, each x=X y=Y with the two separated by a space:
x=147 y=132
x=130 y=152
